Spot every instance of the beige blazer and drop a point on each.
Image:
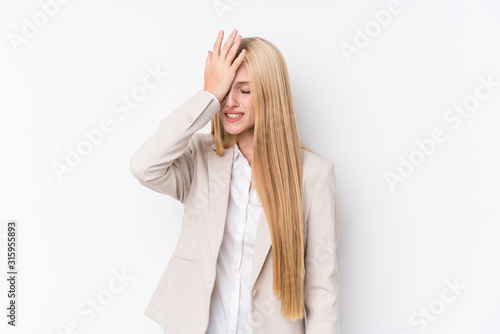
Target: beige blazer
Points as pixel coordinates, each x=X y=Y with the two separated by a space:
x=178 y=162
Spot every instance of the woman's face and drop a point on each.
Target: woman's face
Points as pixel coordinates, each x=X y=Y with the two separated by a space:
x=238 y=101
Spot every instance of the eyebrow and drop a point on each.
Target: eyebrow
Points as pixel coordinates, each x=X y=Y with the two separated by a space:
x=242 y=82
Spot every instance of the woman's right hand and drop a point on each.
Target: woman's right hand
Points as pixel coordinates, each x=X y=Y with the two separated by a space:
x=220 y=69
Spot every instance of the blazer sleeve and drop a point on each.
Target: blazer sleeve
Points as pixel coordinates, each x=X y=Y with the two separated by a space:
x=164 y=163
x=321 y=281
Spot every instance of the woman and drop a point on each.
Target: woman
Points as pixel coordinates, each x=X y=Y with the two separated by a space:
x=257 y=248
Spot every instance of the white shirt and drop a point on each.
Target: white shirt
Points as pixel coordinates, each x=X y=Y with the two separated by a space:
x=231 y=296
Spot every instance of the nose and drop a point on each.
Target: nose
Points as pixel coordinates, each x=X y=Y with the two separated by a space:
x=231 y=99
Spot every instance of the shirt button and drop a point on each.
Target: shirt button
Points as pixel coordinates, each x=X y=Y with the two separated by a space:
x=189 y=119
x=255 y=293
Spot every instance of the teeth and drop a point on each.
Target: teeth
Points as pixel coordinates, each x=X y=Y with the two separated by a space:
x=234 y=115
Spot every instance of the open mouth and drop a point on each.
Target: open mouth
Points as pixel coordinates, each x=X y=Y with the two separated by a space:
x=233 y=117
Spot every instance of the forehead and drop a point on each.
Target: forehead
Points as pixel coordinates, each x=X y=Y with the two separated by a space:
x=241 y=74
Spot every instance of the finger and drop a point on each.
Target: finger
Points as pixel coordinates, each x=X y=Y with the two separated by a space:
x=233 y=50
x=228 y=44
x=218 y=42
x=239 y=59
x=209 y=58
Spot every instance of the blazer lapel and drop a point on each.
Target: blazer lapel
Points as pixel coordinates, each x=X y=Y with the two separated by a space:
x=222 y=165
x=262 y=246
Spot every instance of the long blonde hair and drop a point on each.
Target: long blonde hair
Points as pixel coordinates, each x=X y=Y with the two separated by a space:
x=277 y=167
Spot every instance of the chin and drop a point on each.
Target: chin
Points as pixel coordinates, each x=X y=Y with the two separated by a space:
x=232 y=131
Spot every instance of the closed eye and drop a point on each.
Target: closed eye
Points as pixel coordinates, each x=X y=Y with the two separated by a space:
x=245 y=92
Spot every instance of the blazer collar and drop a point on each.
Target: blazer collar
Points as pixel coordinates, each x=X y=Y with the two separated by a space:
x=219 y=178
x=235 y=148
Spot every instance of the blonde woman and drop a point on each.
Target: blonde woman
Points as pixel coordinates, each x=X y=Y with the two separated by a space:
x=257 y=247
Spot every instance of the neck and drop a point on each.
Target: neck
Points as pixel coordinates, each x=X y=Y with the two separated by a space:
x=245 y=143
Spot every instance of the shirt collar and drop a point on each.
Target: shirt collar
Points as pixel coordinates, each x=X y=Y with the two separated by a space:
x=236 y=151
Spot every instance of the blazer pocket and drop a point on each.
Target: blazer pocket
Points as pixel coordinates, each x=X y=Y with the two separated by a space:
x=185 y=258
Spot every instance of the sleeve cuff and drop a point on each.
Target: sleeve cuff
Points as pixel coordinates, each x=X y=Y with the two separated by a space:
x=216 y=99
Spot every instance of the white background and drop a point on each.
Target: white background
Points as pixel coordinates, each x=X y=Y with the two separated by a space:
x=364 y=112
